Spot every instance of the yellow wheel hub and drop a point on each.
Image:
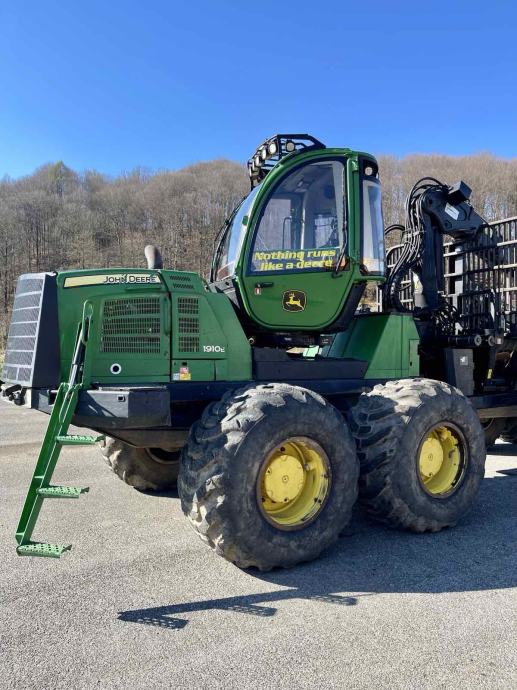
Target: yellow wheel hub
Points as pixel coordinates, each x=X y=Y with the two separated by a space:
x=294 y=483
x=441 y=461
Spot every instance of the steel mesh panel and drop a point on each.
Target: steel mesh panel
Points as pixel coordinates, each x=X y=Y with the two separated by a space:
x=23 y=329
x=29 y=285
x=24 y=374
x=24 y=344
x=19 y=357
x=21 y=340
x=10 y=373
x=133 y=345
x=27 y=300
x=188 y=343
x=188 y=305
x=188 y=324
x=135 y=306
x=132 y=326
x=181 y=282
x=20 y=315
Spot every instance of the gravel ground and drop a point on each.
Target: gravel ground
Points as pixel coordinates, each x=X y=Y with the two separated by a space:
x=141 y=602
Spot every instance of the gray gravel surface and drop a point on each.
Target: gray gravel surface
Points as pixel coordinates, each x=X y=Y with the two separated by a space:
x=141 y=602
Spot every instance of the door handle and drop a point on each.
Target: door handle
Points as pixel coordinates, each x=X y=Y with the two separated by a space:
x=264 y=285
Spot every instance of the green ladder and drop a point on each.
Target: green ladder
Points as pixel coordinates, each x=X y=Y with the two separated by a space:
x=56 y=437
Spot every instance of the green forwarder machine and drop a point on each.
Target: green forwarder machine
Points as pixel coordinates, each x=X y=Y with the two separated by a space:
x=270 y=396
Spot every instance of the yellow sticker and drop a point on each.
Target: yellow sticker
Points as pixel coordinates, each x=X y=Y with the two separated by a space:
x=185 y=374
x=296 y=260
x=112 y=279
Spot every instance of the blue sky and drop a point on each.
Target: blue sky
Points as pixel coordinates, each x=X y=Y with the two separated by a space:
x=113 y=85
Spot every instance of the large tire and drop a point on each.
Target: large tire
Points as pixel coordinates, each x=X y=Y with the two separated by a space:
x=146 y=469
x=390 y=424
x=493 y=428
x=222 y=475
x=509 y=432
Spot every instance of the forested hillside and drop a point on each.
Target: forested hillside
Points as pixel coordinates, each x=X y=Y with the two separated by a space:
x=58 y=218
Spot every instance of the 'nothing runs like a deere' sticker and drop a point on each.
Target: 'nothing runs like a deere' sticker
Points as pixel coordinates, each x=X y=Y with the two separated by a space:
x=294 y=300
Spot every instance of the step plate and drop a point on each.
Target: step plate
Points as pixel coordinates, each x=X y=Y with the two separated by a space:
x=40 y=549
x=77 y=440
x=62 y=491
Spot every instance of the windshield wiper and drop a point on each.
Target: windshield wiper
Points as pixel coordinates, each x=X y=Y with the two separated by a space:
x=342 y=251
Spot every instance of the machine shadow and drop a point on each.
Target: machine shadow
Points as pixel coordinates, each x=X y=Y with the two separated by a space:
x=479 y=554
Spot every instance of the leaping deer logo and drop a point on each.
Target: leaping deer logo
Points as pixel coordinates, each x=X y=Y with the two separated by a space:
x=294 y=300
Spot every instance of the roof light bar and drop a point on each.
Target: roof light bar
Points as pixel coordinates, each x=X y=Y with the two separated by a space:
x=274 y=149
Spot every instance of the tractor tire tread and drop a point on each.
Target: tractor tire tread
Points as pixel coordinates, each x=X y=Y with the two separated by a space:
x=378 y=422
x=205 y=471
x=137 y=468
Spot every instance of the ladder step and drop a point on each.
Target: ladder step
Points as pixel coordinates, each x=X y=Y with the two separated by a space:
x=76 y=440
x=62 y=491
x=40 y=549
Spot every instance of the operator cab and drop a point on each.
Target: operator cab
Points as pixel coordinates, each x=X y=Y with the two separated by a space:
x=297 y=252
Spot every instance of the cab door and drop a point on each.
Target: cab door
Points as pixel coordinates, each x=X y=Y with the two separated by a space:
x=297 y=234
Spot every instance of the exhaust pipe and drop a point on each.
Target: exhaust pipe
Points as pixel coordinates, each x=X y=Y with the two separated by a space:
x=153 y=256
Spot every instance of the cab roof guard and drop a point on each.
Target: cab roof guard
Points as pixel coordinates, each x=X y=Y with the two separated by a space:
x=274 y=149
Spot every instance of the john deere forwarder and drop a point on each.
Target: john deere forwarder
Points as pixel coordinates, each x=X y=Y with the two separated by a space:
x=275 y=397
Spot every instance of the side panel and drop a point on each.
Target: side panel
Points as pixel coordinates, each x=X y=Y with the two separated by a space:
x=131 y=324
x=153 y=327
x=388 y=341
x=208 y=342
x=131 y=336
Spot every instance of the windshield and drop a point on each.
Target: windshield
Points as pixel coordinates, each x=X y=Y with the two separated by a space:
x=232 y=240
x=301 y=226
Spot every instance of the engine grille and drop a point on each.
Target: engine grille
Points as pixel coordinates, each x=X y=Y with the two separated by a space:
x=188 y=325
x=181 y=281
x=131 y=326
x=188 y=305
x=31 y=357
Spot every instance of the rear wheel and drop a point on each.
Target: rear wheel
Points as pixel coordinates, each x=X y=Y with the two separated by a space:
x=493 y=429
x=150 y=469
x=269 y=476
x=509 y=432
x=422 y=453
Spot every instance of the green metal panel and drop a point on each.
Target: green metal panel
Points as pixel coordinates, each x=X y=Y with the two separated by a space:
x=155 y=325
x=389 y=342
x=134 y=335
x=207 y=339
x=325 y=293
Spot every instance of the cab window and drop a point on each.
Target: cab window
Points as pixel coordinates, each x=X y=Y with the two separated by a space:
x=231 y=243
x=301 y=225
x=373 y=227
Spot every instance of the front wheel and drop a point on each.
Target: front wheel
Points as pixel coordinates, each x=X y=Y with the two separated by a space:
x=146 y=469
x=422 y=452
x=269 y=476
